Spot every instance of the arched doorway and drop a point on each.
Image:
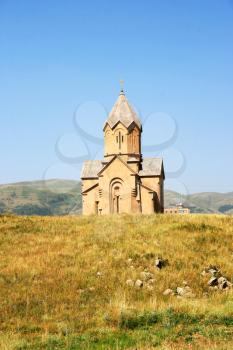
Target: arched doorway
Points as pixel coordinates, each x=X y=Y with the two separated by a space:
x=115 y=196
x=116 y=199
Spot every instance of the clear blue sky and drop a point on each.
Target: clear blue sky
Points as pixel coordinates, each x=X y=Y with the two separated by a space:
x=176 y=57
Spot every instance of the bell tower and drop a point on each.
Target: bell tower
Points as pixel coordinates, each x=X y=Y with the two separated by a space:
x=122 y=131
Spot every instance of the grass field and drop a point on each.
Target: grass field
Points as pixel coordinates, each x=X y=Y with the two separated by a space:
x=63 y=282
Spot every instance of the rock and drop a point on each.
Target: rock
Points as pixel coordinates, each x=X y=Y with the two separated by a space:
x=168 y=292
x=130 y=283
x=146 y=276
x=221 y=280
x=213 y=282
x=129 y=261
x=180 y=291
x=212 y=269
x=99 y=274
x=222 y=283
x=160 y=263
x=185 y=292
x=91 y=289
x=138 y=284
x=213 y=272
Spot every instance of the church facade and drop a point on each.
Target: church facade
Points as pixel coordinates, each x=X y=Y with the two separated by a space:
x=123 y=181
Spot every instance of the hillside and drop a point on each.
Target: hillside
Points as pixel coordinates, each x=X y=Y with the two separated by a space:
x=62 y=197
x=205 y=202
x=52 y=197
x=78 y=283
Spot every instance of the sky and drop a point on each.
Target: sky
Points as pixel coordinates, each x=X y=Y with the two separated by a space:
x=60 y=67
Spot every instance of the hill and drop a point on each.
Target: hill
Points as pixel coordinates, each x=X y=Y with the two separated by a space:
x=62 y=197
x=92 y=283
x=51 y=197
x=205 y=202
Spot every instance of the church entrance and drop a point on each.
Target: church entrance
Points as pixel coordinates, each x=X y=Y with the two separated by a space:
x=115 y=197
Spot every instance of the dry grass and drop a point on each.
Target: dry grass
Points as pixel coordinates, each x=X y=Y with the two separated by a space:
x=51 y=296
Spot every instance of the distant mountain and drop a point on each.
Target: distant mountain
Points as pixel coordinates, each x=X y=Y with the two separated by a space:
x=51 y=197
x=62 y=197
x=205 y=202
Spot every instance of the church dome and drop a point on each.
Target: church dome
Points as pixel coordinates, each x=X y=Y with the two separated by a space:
x=122 y=112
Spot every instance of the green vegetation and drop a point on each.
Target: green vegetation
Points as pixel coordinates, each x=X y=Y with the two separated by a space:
x=2 y=207
x=206 y=202
x=63 y=282
x=44 y=198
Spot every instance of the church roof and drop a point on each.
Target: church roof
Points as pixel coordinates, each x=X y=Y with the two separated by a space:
x=91 y=168
x=111 y=160
x=122 y=112
x=151 y=167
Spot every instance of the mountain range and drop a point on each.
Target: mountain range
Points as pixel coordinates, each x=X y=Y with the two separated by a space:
x=63 y=197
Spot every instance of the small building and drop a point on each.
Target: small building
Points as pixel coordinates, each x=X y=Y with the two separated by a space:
x=177 y=209
x=123 y=181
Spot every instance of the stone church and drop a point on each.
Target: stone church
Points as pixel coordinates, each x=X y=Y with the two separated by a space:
x=123 y=181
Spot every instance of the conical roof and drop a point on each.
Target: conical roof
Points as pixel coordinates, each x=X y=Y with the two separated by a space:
x=122 y=112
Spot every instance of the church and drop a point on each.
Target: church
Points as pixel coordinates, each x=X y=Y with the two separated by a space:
x=123 y=181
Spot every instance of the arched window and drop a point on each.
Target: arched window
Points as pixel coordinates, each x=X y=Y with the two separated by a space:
x=119 y=139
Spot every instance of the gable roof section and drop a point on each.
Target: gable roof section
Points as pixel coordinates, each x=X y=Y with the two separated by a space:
x=90 y=188
x=116 y=156
x=152 y=167
x=91 y=168
x=122 y=112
